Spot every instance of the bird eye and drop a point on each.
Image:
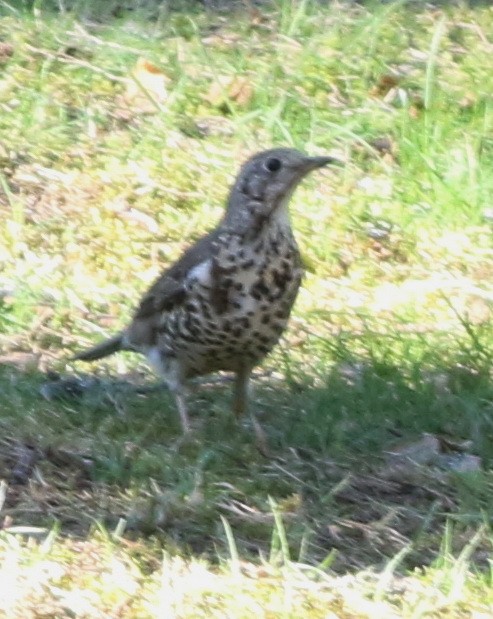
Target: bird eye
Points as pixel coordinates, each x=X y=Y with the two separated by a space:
x=273 y=164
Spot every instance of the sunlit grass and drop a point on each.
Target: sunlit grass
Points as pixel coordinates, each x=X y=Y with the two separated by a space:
x=106 y=576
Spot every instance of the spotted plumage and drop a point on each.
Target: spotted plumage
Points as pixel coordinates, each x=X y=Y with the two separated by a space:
x=225 y=303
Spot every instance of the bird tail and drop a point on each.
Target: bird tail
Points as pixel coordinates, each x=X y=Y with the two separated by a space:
x=108 y=347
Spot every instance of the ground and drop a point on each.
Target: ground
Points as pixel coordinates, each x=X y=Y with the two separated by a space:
x=120 y=133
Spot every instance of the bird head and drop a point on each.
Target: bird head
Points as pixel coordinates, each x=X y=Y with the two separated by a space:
x=266 y=182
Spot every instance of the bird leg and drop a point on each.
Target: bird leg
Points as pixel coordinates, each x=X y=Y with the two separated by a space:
x=182 y=406
x=240 y=407
x=176 y=385
x=241 y=391
x=172 y=372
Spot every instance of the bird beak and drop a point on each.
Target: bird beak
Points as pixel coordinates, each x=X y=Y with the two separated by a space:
x=312 y=163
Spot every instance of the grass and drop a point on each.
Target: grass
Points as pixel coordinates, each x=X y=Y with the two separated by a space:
x=120 y=133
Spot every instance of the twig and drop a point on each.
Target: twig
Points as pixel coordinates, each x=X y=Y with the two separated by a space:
x=66 y=59
x=478 y=30
x=80 y=30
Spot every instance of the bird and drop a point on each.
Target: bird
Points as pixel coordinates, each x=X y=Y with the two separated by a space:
x=224 y=304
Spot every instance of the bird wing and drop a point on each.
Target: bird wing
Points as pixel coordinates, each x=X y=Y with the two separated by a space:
x=168 y=292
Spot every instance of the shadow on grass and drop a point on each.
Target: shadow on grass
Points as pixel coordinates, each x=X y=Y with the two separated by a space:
x=157 y=10
x=109 y=456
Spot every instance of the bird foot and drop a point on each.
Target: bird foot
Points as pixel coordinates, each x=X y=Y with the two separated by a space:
x=261 y=442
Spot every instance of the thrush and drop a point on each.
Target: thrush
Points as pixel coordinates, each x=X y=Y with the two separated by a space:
x=225 y=303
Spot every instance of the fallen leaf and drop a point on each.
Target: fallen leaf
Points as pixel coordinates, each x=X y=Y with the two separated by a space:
x=385 y=84
x=256 y=17
x=226 y=89
x=468 y=101
x=147 y=87
x=6 y=51
x=417 y=106
x=241 y=91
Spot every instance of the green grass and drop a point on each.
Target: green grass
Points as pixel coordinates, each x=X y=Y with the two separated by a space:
x=107 y=509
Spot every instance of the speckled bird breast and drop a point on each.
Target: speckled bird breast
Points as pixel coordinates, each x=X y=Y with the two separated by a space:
x=237 y=303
